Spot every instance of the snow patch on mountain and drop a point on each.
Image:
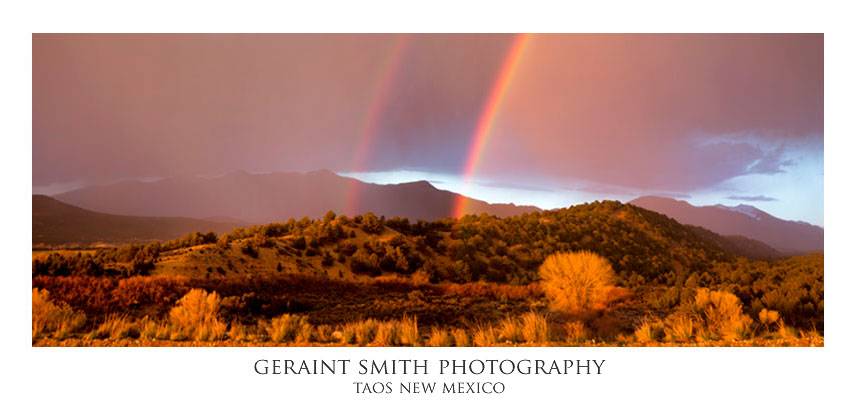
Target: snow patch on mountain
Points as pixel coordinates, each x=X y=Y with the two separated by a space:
x=743 y=209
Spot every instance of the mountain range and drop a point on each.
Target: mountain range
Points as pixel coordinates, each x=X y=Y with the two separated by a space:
x=276 y=197
x=57 y=223
x=169 y=208
x=788 y=237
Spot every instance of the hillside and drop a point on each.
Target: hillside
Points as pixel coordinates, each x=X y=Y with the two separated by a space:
x=639 y=243
x=468 y=267
x=789 y=237
x=58 y=223
x=266 y=198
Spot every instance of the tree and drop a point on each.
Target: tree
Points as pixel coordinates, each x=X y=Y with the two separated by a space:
x=371 y=224
x=576 y=280
x=329 y=216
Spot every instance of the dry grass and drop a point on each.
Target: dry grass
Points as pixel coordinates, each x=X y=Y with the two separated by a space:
x=386 y=334
x=49 y=318
x=195 y=317
x=288 y=328
x=576 y=333
x=712 y=318
x=786 y=332
x=723 y=315
x=680 y=328
x=238 y=331
x=485 y=336
x=409 y=333
x=460 y=338
x=510 y=331
x=535 y=329
x=529 y=329
x=116 y=328
x=650 y=331
x=439 y=338
x=323 y=334
x=364 y=331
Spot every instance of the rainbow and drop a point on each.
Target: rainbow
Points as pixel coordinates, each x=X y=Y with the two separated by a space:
x=488 y=117
x=369 y=127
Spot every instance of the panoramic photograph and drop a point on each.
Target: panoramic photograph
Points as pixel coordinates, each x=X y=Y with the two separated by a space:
x=432 y=190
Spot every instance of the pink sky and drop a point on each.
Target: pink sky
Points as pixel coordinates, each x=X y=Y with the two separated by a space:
x=683 y=114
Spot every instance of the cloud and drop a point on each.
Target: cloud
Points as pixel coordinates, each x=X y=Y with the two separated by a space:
x=758 y=198
x=771 y=162
x=596 y=188
x=619 y=110
x=515 y=185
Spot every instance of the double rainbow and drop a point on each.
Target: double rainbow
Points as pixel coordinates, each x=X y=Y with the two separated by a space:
x=369 y=128
x=488 y=117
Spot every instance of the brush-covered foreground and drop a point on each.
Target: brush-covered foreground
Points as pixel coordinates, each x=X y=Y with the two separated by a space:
x=388 y=311
x=469 y=282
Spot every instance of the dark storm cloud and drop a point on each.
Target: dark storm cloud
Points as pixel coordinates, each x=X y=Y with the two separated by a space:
x=117 y=106
x=636 y=112
x=670 y=112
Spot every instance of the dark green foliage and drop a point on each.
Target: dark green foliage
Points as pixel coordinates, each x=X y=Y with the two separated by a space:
x=249 y=249
x=365 y=262
x=326 y=258
x=299 y=243
x=371 y=224
x=347 y=247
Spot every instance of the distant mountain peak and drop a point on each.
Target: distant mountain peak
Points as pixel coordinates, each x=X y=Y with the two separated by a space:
x=751 y=211
x=322 y=172
x=744 y=220
x=275 y=197
x=420 y=184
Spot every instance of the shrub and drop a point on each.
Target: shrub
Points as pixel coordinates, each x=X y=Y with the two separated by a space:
x=326 y=258
x=408 y=332
x=722 y=313
x=485 y=336
x=576 y=280
x=460 y=337
x=576 y=333
x=195 y=317
x=50 y=318
x=365 y=330
x=324 y=334
x=116 y=328
x=386 y=334
x=237 y=331
x=786 y=332
x=649 y=332
x=349 y=333
x=299 y=243
x=371 y=224
x=249 y=249
x=287 y=328
x=364 y=262
x=679 y=328
x=534 y=328
x=768 y=317
x=439 y=338
x=510 y=330
x=149 y=328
